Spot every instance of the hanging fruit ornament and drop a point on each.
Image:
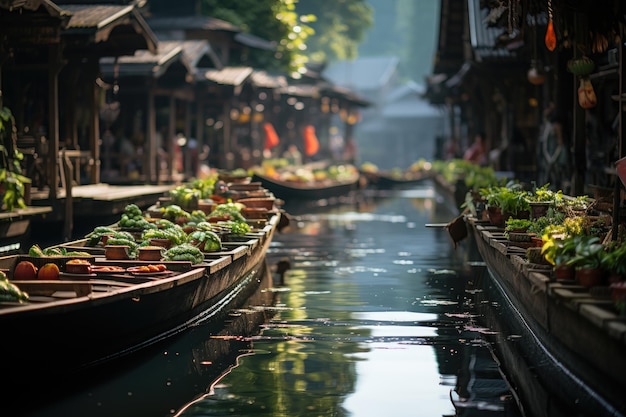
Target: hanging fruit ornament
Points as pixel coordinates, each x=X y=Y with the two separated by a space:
x=581 y=67
x=586 y=95
x=550 y=38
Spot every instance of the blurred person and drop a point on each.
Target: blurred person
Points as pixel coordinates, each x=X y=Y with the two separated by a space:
x=476 y=153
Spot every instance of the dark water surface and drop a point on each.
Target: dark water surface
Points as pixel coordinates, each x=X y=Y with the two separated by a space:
x=374 y=318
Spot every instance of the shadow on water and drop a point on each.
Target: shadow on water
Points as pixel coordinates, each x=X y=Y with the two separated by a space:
x=164 y=377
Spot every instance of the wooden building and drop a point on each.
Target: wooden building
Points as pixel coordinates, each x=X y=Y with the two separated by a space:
x=502 y=77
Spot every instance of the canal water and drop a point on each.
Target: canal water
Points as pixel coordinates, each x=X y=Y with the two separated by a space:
x=374 y=316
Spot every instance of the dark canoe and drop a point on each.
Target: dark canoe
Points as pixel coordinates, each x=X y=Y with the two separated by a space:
x=388 y=180
x=571 y=338
x=318 y=190
x=79 y=322
x=15 y=227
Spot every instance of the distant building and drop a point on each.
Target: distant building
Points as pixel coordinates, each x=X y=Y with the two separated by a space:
x=400 y=127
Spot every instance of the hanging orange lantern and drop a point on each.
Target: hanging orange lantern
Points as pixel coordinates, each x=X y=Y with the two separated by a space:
x=311 y=144
x=550 y=38
x=271 y=138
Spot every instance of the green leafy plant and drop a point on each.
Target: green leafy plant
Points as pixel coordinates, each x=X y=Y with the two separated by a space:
x=589 y=252
x=557 y=250
x=544 y=194
x=12 y=182
x=553 y=217
x=510 y=198
x=614 y=261
x=512 y=224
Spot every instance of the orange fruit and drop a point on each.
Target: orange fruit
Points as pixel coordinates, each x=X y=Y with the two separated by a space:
x=49 y=271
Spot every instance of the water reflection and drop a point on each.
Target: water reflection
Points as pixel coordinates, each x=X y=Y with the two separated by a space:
x=376 y=321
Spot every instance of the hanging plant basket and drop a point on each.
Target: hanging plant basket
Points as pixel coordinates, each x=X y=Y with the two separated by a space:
x=581 y=67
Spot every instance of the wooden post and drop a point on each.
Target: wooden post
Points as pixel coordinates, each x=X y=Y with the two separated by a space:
x=169 y=140
x=54 y=60
x=621 y=142
x=68 y=173
x=94 y=132
x=151 y=171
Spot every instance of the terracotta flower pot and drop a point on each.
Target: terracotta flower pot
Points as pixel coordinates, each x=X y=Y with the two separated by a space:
x=589 y=277
x=496 y=216
x=538 y=209
x=564 y=273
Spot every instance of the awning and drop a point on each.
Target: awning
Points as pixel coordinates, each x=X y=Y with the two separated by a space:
x=115 y=30
x=234 y=76
x=145 y=63
x=262 y=79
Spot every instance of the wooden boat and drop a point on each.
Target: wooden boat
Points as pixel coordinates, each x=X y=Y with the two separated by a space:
x=310 y=190
x=85 y=320
x=571 y=337
x=385 y=180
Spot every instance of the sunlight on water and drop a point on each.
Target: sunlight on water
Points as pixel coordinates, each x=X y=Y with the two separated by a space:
x=403 y=379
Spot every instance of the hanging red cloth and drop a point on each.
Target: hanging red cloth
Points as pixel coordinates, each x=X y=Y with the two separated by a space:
x=311 y=144
x=271 y=138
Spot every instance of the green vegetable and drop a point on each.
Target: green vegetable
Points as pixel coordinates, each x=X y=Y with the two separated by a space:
x=184 y=252
x=10 y=291
x=35 y=251
x=205 y=240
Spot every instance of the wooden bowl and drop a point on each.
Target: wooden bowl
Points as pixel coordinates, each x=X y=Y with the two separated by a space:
x=78 y=266
x=150 y=253
x=117 y=252
x=162 y=243
x=258 y=202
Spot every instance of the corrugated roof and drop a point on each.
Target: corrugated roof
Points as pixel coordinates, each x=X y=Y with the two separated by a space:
x=95 y=16
x=255 y=42
x=301 y=90
x=264 y=80
x=50 y=7
x=229 y=75
x=144 y=62
x=483 y=37
x=199 y=54
x=191 y=23
x=100 y=19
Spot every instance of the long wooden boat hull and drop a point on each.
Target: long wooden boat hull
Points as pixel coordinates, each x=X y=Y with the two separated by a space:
x=387 y=181
x=570 y=339
x=289 y=191
x=107 y=317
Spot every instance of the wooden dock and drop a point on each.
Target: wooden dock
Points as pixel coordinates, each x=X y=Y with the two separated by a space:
x=95 y=201
x=15 y=227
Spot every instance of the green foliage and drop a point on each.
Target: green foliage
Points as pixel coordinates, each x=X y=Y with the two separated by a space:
x=552 y=217
x=510 y=198
x=615 y=259
x=12 y=181
x=544 y=194
x=589 y=252
x=339 y=28
x=512 y=224
x=273 y=20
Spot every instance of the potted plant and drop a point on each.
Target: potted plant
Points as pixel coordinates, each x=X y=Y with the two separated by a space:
x=541 y=199
x=516 y=230
x=558 y=250
x=12 y=183
x=541 y=225
x=587 y=260
x=614 y=262
x=504 y=202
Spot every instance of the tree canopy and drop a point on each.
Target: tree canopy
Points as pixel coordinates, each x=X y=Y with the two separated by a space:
x=304 y=30
x=339 y=28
